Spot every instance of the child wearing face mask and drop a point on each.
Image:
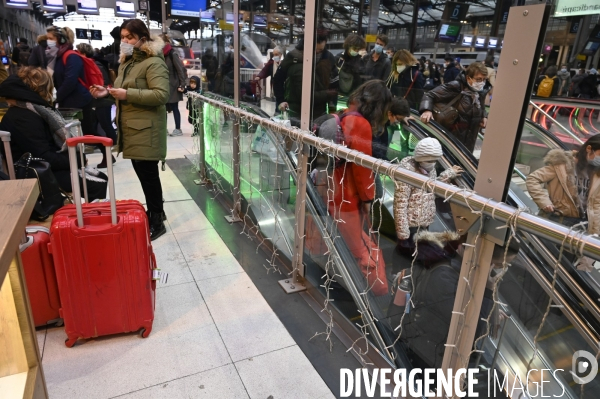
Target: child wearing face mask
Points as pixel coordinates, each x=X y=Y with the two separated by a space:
x=414 y=208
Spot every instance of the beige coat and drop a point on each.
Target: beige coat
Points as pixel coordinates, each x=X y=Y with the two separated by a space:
x=414 y=207
x=555 y=184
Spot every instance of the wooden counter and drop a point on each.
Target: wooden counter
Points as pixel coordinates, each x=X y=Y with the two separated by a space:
x=21 y=374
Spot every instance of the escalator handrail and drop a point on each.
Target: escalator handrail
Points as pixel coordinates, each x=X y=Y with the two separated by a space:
x=570 y=103
x=564 y=129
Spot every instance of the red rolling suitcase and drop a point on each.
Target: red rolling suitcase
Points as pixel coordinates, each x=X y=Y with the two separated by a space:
x=40 y=276
x=104 y=261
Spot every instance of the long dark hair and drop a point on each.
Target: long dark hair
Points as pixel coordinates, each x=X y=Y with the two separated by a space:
x=372 y=100
x=593 y=142
x=136 y=27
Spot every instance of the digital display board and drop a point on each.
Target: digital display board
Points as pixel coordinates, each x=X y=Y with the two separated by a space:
x=260 y=20
x=449 y=32
x=22 y=4
x=54 y=5
x=590 y=48
x=87 y=7
x=208 y=16
x=467 y=40
x=480 y=42
x=188 y=8
x=125 y=9
x=493 y=42
x=229 y=17
x=566 y=8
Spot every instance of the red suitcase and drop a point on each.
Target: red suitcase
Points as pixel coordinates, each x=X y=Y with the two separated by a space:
x=104 y=262
x=40 y=276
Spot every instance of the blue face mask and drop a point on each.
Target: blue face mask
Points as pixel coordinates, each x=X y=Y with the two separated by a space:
x=595 y=162
x=378 y=48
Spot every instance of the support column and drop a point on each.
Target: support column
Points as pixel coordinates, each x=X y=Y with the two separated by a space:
x=296 y=283
x=373 y=17
x=413 y=29
x=525 y=32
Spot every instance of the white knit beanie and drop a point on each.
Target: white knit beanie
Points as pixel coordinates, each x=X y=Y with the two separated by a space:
x=427 y=150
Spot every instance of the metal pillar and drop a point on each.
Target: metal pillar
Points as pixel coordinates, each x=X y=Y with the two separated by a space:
x=413 y=29
x=237 y=198
x=296 y=283
x=163 y=8
x=373 y=17
x=361 y=10
x=524 y=37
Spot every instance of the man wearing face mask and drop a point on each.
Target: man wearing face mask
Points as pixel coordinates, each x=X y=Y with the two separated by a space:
x=377 y=63
x=466 y=95
x=349 y=65
x=414 y=208
x=565 y=81
x=270 y=69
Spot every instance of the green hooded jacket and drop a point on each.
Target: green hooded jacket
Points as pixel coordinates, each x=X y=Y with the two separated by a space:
x=142 y=118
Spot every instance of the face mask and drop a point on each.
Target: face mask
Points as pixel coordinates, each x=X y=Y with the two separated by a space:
x=378 y=48
x=277 y=58
x=428 y=166
x=477 y=86
x=127 y=48
x=51 y=43
x=595 y=162
x=318 y=57
x=563 y=70
x=353 y=53
x=400 y=68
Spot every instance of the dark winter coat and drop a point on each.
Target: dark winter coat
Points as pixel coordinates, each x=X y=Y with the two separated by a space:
x=451 y=73
x=379 y=69
x=349 y=68
x=470 y=106
x=16 y=55
x=38 y=56
x=401 y=85
x=575 y=90
x=70 y=93
x=192 y=116
x=29 y=132
x=287 y=83
x=210 y=63
x=589 y=86
x=435 y=278
x=177 y=74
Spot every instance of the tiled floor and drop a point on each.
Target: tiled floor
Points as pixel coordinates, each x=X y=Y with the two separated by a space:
x=214 y=334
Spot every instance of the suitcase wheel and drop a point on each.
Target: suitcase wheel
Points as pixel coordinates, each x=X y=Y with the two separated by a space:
x=144 y=332
x=69 y=342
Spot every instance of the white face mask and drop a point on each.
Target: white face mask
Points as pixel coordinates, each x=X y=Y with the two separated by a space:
x=477 y=86
x=276 y=58
x=51 y=43
x=400 y=68
x=127 y=48
x=353 y=53
x=428 y=166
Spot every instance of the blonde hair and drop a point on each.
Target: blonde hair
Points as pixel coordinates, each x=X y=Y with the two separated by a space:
x=405 y=57
x=68 y=32
x=38 y=80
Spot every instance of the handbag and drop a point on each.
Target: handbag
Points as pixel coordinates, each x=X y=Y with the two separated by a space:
x=50 y=198
x=446 y=115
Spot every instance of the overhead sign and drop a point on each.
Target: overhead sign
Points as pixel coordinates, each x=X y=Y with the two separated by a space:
x=143 y=5
x=595 y=35
x=81 y=34
x=87 y=7
x=567 y=8
x=575 y=23
x=22 y=4
x=54 y=5
x=455 y=11
x=125 y=9
x=188 y=8
x=96 y=34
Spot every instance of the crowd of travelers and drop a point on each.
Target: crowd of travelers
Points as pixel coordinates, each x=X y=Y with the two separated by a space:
x=371 y=92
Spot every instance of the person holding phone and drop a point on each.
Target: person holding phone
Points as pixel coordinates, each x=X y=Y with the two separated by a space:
x=141 y=91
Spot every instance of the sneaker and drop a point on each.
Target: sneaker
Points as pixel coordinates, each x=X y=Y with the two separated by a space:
x=176 y=132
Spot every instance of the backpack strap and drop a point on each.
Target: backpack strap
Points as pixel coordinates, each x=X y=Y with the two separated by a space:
x=411 y=84
x=64 y=60
x=451 y=103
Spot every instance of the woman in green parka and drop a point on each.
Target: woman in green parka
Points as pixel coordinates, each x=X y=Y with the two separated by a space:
x=141 y=91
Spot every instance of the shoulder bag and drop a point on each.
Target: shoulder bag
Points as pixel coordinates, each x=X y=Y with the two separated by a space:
x=446 y=115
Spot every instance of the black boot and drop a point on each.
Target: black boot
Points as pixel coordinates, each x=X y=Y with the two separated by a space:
x=157 y=226
x=164 y=215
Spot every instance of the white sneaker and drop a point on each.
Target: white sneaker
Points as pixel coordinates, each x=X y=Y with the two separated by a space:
x=176 y=132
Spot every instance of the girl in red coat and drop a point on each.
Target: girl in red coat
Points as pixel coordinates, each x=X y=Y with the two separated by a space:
x=354 y=186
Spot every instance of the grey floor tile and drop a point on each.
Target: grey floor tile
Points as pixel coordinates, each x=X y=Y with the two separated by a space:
x=170 y=259
x=207 y=255
x=184 y=216
x=184 y=341
x=245 y=320
x=219 y=383
x=285 y=373
x=41 y=339
x=175 y=192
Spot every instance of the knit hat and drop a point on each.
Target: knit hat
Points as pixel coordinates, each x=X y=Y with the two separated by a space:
x=427 y=150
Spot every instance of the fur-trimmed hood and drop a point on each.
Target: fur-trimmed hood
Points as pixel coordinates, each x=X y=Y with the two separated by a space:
x=152 y=48
x=441 y=239
x=560 y=157
x=434 y=247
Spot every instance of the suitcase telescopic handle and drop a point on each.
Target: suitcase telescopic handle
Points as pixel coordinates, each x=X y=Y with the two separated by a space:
x=5 y=136
x=107 y=143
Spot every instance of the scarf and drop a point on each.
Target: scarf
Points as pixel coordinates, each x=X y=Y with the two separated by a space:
x=51 y=53
x=53 y=119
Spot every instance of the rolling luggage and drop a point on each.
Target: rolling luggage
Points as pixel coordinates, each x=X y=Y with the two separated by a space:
x=104 y=261
x=40 y=276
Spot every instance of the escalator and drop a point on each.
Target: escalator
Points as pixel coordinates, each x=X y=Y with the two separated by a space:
x=268 y=188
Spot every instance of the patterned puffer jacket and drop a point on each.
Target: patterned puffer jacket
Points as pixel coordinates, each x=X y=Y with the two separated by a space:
x=414 y=207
